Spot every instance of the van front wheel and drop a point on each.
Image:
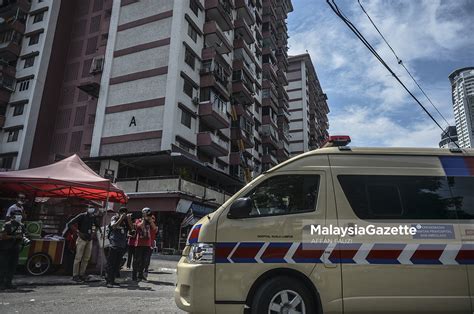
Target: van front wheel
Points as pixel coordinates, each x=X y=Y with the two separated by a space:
x=283 y=295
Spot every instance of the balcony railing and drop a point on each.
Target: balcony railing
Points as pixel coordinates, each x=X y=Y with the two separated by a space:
x=171 y=184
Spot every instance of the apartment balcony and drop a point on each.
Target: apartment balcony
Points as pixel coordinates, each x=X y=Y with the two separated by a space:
x=7 y=70
x=246 y=9
x=239 y=43
x=10 y=50
x=214 y=114
x=214 y=75
x=214 y=37
x=7 y=86
x=219 y=11
x=269 y=135
x=241 y=111
x=242 y=30
x=282 y=77
x=238 y=133
x=243 y=89
x=171 y=184
x=270 y=70
x=17 y=25
x=241 y=64
x=212 y=53
x=283 y=151
x=9 y=7
x=267 y=119
x=269 y=159
x=212 y=144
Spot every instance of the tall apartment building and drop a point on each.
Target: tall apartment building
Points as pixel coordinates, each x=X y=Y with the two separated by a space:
x=308 y=106
x=462 y=83
x=52 y=56
x=27 y=31
x=180 y=101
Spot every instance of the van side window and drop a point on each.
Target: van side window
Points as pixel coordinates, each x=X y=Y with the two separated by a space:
x=285 y=194
x=399 y=197
x=463 y=196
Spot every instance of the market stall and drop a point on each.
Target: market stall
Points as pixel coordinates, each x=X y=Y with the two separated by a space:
x=68 y=178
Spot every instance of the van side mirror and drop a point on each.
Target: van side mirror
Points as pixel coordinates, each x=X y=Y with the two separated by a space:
x=240 y=208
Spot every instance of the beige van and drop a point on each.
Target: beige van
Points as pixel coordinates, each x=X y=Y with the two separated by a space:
x=339 y=230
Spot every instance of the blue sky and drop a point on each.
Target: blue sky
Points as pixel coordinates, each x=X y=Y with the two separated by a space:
x=431 y=37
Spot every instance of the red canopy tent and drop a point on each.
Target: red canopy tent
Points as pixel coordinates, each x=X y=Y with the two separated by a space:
x=70 y=177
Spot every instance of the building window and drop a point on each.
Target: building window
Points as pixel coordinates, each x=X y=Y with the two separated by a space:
x=192 y=32
x=13 y=135
x=193 y=5
x=38 y=17
x=23 y=85
x=29 y=62
x=189 y=58
x=34 y=39
x=188 y=88
x=186 y=118
x=18 y=109
x=7 y=163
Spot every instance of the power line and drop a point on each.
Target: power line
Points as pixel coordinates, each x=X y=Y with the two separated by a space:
x=399 y=61
x=332 y=4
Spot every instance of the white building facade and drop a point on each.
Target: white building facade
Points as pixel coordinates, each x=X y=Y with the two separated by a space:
x=462 y=83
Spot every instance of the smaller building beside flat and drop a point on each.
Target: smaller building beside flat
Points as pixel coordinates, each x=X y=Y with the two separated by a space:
x=449 y=138
x=308 y=106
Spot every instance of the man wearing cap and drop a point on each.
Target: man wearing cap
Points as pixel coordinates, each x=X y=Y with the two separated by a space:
x=17 y=208
x=120 y=224
x=11 y=236
x=144 y=227
x=86 y=222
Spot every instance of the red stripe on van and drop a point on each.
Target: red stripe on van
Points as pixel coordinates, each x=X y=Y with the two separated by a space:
x=305 y=251
x=470 y=164
x=424 y=254
x=245 y=252
x=275 y=252
x=383 y=254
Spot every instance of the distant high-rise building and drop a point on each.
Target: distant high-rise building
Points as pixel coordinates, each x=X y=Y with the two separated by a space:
x=462 y=82
x=449 y=138
x=308 y=106
x=27 y=31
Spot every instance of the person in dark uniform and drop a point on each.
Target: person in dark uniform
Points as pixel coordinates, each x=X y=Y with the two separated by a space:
x=120 y=224
x=11 y=239
x=87 y=223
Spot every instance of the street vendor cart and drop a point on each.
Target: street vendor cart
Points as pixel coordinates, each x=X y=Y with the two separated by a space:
x=68 y=178
x=42 y=255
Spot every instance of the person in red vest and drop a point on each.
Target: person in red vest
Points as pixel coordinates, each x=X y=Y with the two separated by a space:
x=144 y=228
x=153 y=244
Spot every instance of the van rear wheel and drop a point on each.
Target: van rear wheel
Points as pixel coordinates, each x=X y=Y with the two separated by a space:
x=283 y=294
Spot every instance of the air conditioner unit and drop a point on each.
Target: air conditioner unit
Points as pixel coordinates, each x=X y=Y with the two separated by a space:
x=97 y=65
x=196 y=101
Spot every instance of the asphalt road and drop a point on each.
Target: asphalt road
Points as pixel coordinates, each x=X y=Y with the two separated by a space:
x=154 y=296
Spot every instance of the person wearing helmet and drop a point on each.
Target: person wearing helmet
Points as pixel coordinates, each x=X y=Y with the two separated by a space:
x=144 y=228
x=86 y=222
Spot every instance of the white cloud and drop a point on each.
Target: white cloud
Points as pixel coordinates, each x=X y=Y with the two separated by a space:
x=379 y=111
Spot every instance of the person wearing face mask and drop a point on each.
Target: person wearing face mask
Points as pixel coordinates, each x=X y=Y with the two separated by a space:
x=17 y=207
x=86 y=222
x=11 y=237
